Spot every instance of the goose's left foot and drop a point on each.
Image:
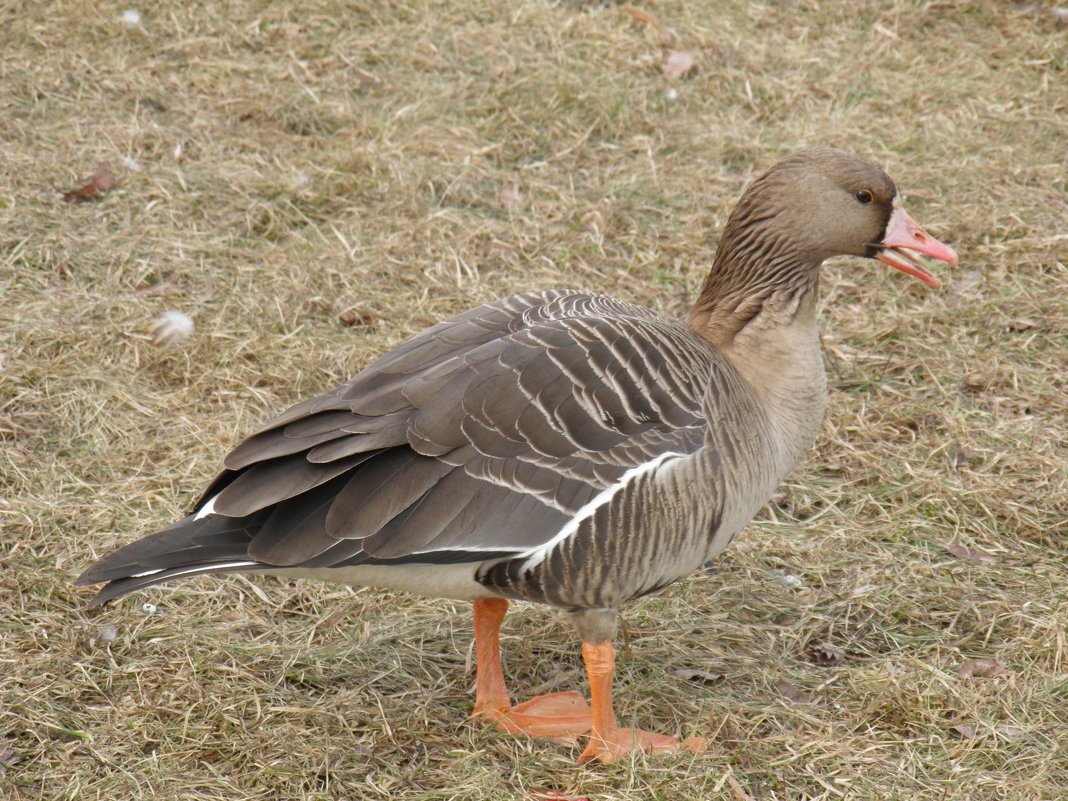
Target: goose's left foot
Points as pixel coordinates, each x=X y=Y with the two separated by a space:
x=563 y=717
x=610 y=746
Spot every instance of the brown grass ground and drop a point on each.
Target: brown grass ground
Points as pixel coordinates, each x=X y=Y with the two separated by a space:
x=408 y=160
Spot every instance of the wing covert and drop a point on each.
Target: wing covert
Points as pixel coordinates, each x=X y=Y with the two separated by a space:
x=482 y=435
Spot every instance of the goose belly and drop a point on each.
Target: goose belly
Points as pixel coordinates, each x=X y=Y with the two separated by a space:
x=456 y=581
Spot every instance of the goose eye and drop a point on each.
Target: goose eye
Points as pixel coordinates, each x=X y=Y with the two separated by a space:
x=864 y=196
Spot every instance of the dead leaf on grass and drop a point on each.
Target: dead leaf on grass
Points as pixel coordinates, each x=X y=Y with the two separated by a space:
x=699 y=676
x=964 y=552
x=358 y=318
x=827 y=655
x=666 y=34
x=792 y=693
x=8 y=759
x=99 y=183
x=981 y=668
x=679 y=64
x=965 y=731
x=974 y=383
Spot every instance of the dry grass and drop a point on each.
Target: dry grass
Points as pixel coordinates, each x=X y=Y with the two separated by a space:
x=296 y=163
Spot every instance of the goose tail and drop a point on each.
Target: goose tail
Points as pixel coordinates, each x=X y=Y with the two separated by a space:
x=191 y=547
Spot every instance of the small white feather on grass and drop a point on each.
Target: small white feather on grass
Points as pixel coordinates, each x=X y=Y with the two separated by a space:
x=171 y=327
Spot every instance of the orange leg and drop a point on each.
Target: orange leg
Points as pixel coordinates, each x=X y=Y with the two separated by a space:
x=559 y=716
x=608 y=742
x=491 y=694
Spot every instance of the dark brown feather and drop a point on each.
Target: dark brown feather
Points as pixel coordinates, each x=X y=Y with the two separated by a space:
x=266 y=483
x=274 y=443
x=358 y=443
x=376 y=494
x=295 y=530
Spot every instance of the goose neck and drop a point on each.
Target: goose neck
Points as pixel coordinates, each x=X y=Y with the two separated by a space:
x=746 y=283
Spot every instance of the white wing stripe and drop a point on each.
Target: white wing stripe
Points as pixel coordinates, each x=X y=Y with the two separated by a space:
x=535 y=556
x=204 y=568
x=206 y=509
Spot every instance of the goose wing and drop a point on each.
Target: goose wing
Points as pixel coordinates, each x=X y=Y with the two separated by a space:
x=479 y=438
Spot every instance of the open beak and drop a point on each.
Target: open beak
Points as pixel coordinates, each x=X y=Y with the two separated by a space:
x=904 y=234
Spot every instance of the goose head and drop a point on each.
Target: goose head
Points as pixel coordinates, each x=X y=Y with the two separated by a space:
x=850 y=207
x=811 y=206
x=823 y=202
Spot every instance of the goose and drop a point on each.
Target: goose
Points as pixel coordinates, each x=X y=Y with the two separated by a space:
x=559 y=446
